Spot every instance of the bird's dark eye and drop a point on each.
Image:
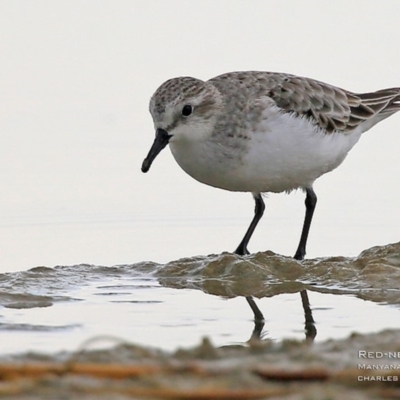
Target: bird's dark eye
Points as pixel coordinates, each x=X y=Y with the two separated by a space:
x=187 y=110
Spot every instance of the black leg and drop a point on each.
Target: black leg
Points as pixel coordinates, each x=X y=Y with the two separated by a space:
x=311 y=201
x=242 y=250
x=258 y=213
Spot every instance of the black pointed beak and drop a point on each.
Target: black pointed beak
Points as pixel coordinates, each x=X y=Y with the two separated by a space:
x=161 y=140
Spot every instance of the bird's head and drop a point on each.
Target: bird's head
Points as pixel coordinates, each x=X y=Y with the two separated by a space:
x=183 y=109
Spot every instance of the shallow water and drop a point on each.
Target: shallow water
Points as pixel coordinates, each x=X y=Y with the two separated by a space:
x=176 y=304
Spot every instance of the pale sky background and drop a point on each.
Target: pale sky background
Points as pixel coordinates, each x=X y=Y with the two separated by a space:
x=75 y=81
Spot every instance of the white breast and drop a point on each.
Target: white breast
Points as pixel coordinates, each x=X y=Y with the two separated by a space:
x=284 y=152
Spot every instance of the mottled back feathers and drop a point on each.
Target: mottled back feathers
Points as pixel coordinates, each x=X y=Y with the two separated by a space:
x=331 y=108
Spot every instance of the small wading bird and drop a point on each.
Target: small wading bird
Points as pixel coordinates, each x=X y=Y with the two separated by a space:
x=262 y=132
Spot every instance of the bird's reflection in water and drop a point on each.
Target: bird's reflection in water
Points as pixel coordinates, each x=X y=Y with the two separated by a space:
x=309 y=326
x=259 y=321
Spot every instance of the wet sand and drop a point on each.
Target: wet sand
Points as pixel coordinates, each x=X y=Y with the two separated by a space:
x=362 y=366
x=336 y=369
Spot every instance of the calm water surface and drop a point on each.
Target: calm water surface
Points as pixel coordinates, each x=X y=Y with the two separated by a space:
x=176 y=304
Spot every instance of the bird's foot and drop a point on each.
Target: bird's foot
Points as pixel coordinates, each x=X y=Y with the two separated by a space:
x=300 y=254
x=241 y=251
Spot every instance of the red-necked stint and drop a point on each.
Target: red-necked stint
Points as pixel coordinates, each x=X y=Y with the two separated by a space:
x=262 y=132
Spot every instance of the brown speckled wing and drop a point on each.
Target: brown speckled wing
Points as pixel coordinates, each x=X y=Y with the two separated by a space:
x=332 y=108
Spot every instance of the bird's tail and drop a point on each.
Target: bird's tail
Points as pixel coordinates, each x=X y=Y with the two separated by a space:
x=385 y=101
x=367 y=109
